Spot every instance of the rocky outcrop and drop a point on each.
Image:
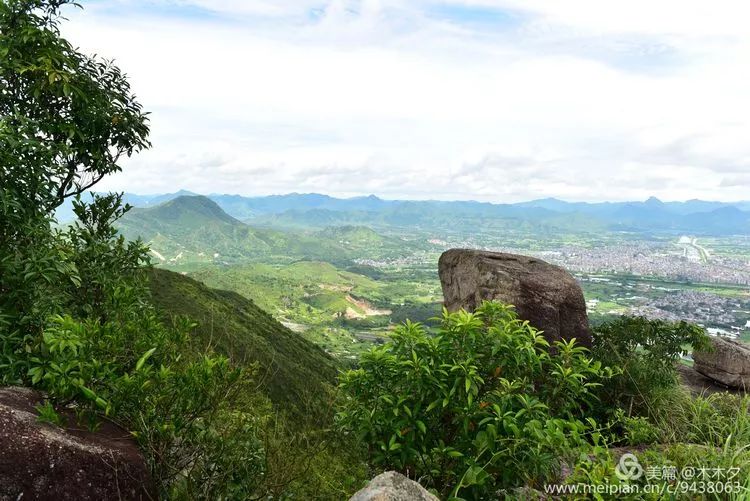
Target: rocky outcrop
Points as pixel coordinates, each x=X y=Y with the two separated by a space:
x=42 y=461
x=545 y=295
x=393 y=486
x=700 y=385
x=728 y=363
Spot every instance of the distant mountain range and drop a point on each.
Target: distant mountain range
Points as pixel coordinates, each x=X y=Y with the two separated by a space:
x=311 y=211
x=194 y=229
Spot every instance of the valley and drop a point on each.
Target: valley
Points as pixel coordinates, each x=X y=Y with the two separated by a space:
x=345 y=287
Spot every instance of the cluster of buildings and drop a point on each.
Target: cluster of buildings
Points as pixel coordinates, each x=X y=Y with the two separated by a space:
x=649 y=260
x=417 y=259
x=720 y=314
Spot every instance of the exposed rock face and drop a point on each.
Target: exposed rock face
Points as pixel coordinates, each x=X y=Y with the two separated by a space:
x=700 y=385
x=728 y=363
x=393 y=486
x=545 y=295
x=41 y=461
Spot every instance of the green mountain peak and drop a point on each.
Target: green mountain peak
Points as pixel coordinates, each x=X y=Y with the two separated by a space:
x=197 y=207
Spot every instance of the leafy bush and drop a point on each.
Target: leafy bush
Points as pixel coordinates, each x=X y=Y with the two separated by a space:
x=638 y=430
x=196 y=417
x=480 y=405
x=646 y=351
x=186 y=410
x=108 y=266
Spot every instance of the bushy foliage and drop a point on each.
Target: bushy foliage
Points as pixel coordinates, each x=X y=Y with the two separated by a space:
x=196 y=417
x=646 y=352
x=75 y=320
x=666 y=426
x=65 y=121
x=480 y=405
x=107 y=264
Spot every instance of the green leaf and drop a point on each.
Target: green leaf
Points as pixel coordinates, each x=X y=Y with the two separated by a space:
x=143 y=359
x=433 y=404
x=87 y=393
x=392 y=445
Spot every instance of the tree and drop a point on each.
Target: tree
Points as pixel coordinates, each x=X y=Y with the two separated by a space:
x=66 y=119
x=647 y=351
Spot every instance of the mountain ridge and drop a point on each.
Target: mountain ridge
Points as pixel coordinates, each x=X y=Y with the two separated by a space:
x=195 y=229
x=296 y=374
x=315 y=211
x=280 y=203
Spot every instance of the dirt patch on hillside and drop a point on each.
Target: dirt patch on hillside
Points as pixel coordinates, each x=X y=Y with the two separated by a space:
x=367 y=309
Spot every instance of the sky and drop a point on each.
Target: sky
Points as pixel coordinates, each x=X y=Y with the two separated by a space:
x=491 y=100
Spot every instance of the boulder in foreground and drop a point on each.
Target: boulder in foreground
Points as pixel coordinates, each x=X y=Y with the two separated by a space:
x=393 y=486
x=544 y=294
x=42 y=461
x=728 y=363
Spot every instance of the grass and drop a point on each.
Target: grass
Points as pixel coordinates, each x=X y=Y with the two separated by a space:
x=719 y=419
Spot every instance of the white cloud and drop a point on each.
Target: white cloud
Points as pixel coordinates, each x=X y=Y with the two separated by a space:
x=595 y=99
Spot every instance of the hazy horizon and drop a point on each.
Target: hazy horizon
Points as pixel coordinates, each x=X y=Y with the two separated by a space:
x=388 y=199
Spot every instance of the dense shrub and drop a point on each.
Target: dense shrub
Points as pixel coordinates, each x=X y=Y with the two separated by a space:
x=196 y=417
x=480 y=405
x=646 y=352
x=661 y=422
x=188 y=411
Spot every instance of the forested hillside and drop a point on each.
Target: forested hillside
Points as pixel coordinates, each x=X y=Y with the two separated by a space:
x=297 y=375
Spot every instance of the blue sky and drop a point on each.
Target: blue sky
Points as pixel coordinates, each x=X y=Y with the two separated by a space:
x=497 y=100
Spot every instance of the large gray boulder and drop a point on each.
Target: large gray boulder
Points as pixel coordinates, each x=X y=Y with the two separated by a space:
x=544 y=294
x=728 y=363
x=393 y=486
x=43 y=461
x=700 y=385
